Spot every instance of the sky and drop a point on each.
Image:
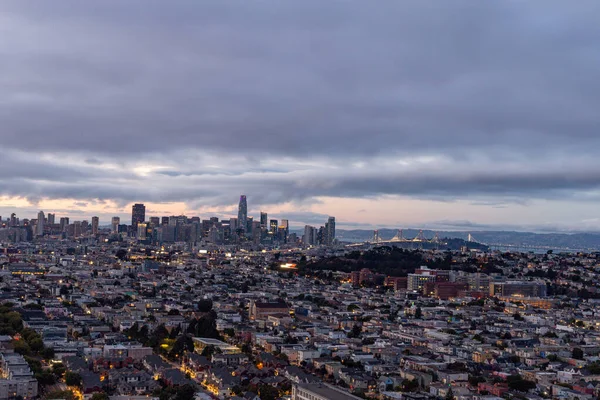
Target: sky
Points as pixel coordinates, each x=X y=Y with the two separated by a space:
x=435 y=114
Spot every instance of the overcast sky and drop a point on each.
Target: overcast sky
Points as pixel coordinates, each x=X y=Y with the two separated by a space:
x=451 y=114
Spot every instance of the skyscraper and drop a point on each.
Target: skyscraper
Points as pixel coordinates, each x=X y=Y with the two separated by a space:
x=138 y=214
x=95 y=222
x=243 y=213
x=273 y=226
x=64 y=222
x=155 y=221
x=329 y=231
x=115 y=224
x=40 y=224
x=310 y=235
x=286 y=225
x=51 y=218
x=264 y=222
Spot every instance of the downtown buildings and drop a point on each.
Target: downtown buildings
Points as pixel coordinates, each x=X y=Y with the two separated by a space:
x=242 y=230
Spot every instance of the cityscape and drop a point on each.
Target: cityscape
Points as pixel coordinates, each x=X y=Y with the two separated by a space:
x=191 y=231
x=299 y=200
x=186 y=308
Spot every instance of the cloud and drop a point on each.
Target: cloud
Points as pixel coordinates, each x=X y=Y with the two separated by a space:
x=289 y=102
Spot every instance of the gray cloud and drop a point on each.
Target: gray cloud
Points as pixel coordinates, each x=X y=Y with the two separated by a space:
x=196 y=102
x=338 y=79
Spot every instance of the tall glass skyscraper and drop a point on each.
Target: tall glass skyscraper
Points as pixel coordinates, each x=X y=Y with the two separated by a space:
x=264 y=222
x=243 y=213
x=138 y=214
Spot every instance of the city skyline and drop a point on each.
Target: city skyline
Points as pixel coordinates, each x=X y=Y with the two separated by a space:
x=403 y=114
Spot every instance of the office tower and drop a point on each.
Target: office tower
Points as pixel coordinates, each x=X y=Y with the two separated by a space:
x=249 y=223
x=164 y=221
x=195 y=220
x=51 y=218
x=13 y=220
x=154 y=221
x=138 y=214
x=206 y=224
x=85 y=226
x=173 y=220
x=116 y=221
x=264 y=222
x=40 y=224
x=233 y=224
x=64 y=222
x=273 y=226
x=213 y=234
x=286 y=226
x=77 y=229
x=310 y=235
x=243 y=213
x=95 y=223
x=141 y=230
x=329 y=231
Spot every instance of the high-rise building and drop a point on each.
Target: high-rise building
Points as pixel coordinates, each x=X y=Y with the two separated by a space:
x=77 y=229
x=249 y=222
x=329 y=231
x=64 y=222
x=40 y=224
x=264 y=222
x=51 y=218
x=243 y=213
x=285 y=224
x=115 y=222
x=310 y=235
x=138 y=214
x=95 y=223
x=164 y=221
x=141 y=230
x=233 y=224
x=155 y=221
x=273 y=226
x=13 y=220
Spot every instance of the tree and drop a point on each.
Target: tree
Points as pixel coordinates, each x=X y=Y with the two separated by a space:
x=182 y=344
x=418 y=313
x=72 y=379
x=209 y=350
x=185 y=392
x=100 y=396
x=229 y=332
x=577 y=353
x=205 y=305
x=516 y=382
x=36 y=345
x=450 y=394
x=121 y=254
x=61 y=394
x=518 y=317
x=48 y=353
x=268 y=392
x=59 y=370
x=355 y=332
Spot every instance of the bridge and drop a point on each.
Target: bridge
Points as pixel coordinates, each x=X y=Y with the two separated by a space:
x=399 y=238
x=524 y=248
x=421 y=239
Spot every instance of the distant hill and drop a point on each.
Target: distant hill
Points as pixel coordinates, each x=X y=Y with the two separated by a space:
x=589 y=241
